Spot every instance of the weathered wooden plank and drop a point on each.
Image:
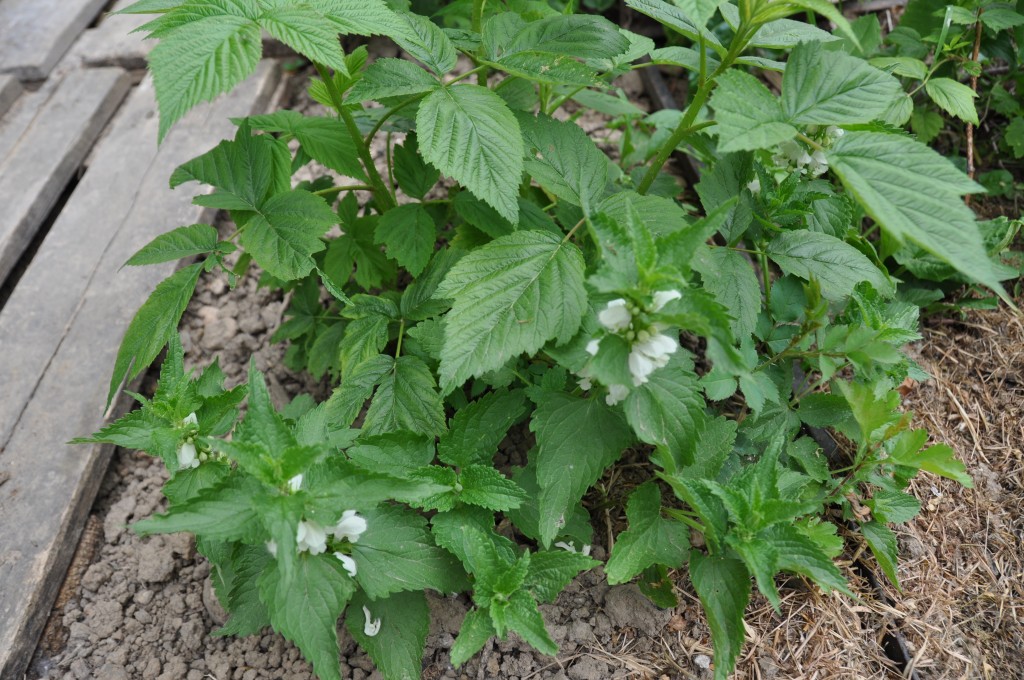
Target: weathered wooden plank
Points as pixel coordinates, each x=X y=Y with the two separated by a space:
x=75 y=302
x=37 y=33
x=112 y=42
x=10 y=90
x=43 y=160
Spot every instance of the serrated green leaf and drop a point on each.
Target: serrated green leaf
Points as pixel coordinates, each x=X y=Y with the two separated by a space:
x=564 y=160
x=485 y=487
x=392 y=78
x=939 y=459
x=723 y=585
x=675 y=18
x=305 y=608
x=195 y=239
x=524 y=618
x=326 y=140
x=400 y=453
x=893 y=507
x=244 y=170
x=748 y=115
x=248 y=613
x=306 y=31
x=409 y=234
x=836 y=265
x=954 y=98
x=360 y=17
x=413 y=175
x=476 y=630
x=914 y=193
x=476 y=429
x=397 y=648
x=780 y=34
x=153 y=325
x=425 y=41
x=396 y=553
x=649 y=540
x=407 y=399
x=227 y=512
x=730 y=277
x=347 y=401
x=285 y=233
x=512 y=295
x=552 y=570
x=547 y=68
x=761 y=559
x=668 y=409
x=801 y=555
x=468 y=133
x=200 y=60
x=882 y=542
x=908 y=67
x=567 y=465
x=827 y=87
x=574 y=35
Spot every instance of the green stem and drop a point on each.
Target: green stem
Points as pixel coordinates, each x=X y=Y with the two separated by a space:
x=338 y=190
x=766 y=277
x=478 y=15
x=381 y=194
x=401 y=334
x=692 y=111
x=558 y=103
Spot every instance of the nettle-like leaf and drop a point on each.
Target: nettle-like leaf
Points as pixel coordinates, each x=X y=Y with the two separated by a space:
x=512 y=295
x=285 y=232
x=392 y=78
x=827 y=87
x=567 y=465
x=397 y=553
x=397 y=648
x=836 y=265
x=477 y=428
x=177 y=244
x=748 y=115
x=564 y=160
x=468 y=133
x=915 y=194
x=305 y=608
x=668 y=410
x=409 y=233
x=649 y=540
x=326 y=140
x=153 y=325
x=723 y=585
x=407 y=399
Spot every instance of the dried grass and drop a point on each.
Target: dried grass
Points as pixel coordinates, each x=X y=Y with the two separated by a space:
x=961 y=561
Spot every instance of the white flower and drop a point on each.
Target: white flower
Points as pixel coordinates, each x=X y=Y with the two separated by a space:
x=790 y=151
x=663 y=297
x=616 y=393
x=615 y=317
x=754 y=185
x=295 y=483
x=571 y=547
x=348 y=563
x=272 y=547
x=187 y=456
x=592 y=347
x=312 y=537
x=191 y=419
x=818 y=164
x=371 y=627
x=584 y=379
x=834 y=132
x=350 y=526
x=650 y=353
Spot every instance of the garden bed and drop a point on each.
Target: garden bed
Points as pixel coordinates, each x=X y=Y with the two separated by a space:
x=141 y=607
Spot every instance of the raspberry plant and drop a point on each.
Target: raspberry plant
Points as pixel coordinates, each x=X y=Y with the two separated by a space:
x=546 y=284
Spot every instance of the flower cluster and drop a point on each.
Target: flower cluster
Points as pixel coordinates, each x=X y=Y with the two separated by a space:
x=650 y=347
x=312 y=537
x=793 y=153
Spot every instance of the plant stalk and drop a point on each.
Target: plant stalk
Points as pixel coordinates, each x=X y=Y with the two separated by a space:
x=385 y=201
